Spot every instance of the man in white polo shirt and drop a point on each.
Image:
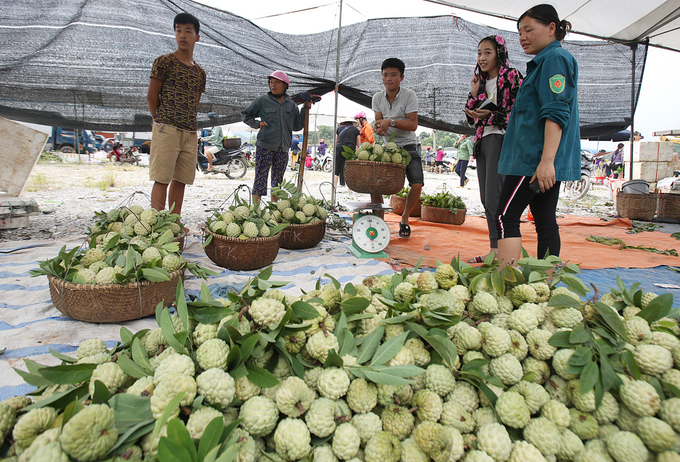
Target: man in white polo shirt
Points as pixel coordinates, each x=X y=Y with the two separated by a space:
x=396 y=111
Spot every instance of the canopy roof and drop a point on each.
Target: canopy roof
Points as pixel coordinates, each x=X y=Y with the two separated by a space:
x=624 y=21
x=86 y=64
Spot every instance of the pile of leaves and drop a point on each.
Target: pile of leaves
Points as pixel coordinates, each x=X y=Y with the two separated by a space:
x=444 y=200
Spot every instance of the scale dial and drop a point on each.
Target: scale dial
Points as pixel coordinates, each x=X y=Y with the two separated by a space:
x=370 y=233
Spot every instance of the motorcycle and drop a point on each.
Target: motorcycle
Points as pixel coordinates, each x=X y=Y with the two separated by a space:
x=323 y=163
x=578 y=189
x=127 y=156
x=231 y=162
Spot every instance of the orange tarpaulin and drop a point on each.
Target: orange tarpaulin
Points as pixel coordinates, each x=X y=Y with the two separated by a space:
x=436 y=241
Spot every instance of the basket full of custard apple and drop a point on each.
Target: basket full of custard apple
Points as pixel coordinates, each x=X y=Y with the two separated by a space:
x=470 y=364
x=130 y=261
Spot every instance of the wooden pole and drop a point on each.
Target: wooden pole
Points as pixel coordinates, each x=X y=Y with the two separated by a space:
x=303 y=153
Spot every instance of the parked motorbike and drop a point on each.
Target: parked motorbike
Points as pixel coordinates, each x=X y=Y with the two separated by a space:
x=124 y=156
x=231 y=162
x=578 y=189
x=323 y=163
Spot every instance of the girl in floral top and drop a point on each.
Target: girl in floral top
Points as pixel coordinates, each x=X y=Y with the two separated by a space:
x=497 y=82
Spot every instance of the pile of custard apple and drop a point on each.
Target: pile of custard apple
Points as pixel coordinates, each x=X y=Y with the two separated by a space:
x=488 y=364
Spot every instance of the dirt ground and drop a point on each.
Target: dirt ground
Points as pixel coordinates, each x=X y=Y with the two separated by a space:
x=69 y=194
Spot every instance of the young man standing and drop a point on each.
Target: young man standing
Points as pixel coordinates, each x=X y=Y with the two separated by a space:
x=465 y=148
x=295 y=152
x=396 y=112
x=175 y=90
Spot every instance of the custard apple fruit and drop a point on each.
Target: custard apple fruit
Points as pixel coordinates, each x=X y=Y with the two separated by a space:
x=89 y=434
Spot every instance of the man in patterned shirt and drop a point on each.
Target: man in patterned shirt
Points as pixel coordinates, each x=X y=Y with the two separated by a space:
x=175 y=89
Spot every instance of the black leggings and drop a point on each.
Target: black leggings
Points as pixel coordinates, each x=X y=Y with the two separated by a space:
x=515 y=196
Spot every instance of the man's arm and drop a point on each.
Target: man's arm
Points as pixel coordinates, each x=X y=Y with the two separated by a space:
x=153 y=95
x=410 y=124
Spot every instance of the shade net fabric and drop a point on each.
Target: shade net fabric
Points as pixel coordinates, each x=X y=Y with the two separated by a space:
x=86 y=64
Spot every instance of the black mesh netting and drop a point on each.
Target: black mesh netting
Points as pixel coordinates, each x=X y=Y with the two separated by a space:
x=86 y=64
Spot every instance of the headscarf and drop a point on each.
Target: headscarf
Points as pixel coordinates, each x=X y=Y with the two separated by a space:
x=509 y=80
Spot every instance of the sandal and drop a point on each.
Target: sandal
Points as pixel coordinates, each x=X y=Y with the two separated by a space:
x=477 y=259
x=404 y=230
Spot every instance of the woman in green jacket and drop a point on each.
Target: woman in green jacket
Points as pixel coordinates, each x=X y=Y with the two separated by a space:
x=542 y=145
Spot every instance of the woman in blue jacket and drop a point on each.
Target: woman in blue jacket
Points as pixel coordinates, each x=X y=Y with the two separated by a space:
x=542 y=145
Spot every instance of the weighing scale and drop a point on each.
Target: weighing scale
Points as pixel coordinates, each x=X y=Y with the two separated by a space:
x=370 y=233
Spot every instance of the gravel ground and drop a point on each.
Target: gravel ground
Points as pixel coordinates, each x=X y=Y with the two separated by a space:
x=69 y=194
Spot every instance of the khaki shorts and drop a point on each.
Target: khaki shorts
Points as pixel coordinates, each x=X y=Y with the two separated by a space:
x=173 y=155
x=213 y=149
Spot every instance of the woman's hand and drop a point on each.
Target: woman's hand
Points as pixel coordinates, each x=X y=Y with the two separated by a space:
x=545 y=175
x=475 y=83
x=263 y=124
x=478 y=113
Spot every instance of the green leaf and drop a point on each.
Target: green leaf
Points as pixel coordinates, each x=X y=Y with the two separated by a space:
x=167 y=412
x=101 y=393
x=170 y=451
x=658 y=308
x=400 y=371
x=125 y=334
x=181 y=304
x=578 y=335
x=234 y=358
x=581 y=357
x=610 y=378
x=653 y=381
x=168 y=330
x=261 y=377
x=63 y=357
x=475 y=364
x=248 y=344
x=564 y=301
x=140 y=356
x=68 y=374
x=445 y=348
x=345 y=340
x=574 y=284
x=385 y=378
x=675 y=391
x=612 y=319
x=179 y=434
x=333 y=360
x=72 y=409
x=131 y=368
x=305 y=311
x=34 y=379
x=490 y=395
x=370 y=345
x=389 y=349
x=129 y=410
x=628 y=360
x=155 y=275
x=62 y=399
x=354 y=305
x=211 y=437
x=589 y=376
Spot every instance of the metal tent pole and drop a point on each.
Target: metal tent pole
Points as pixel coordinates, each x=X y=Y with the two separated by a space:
x=335 y=114
x=632 y=112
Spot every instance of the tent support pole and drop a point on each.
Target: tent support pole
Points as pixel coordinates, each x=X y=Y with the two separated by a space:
x=335 y=114
x=633 y=47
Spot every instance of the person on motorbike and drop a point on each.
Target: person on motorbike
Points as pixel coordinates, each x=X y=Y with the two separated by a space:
x=215 y=139
x=365 y=129
x=117 y=151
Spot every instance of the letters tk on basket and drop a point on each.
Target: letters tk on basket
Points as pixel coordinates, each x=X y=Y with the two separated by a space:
x=636 y=206
x=668 y=206
x=242 y=254
x=374 y=177
x=439 y=215
x=398 y=204
x=303 y=236
x=112 y=302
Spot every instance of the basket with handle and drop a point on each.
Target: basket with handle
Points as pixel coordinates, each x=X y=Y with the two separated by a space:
x=369 y=177
x=242 y=254
x=112 y=302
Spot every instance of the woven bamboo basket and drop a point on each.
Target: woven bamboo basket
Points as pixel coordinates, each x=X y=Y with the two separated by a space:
x=303 y=236
x=439 y=215
x=368 y=177
x=668 y=206
x=636 y=206
x=181 y=239
x=242 y=254
x=398 y=203
x=112 y=302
